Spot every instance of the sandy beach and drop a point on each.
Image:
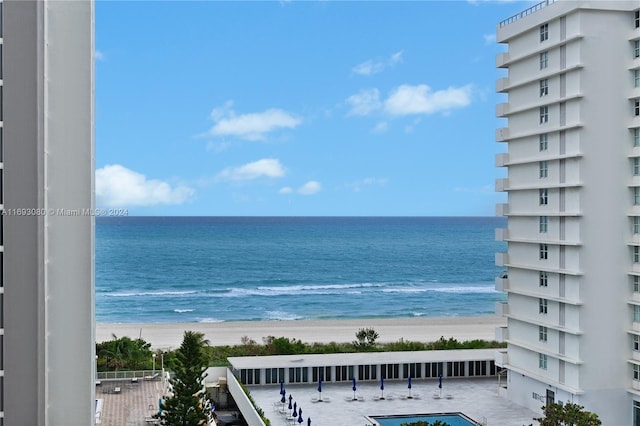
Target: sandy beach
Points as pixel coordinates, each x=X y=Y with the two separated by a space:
x=421 y=329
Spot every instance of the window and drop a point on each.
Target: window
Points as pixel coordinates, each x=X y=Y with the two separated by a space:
x=636 y=254
x=542 y=333
x=636 y=166
x=544 y=87
x=636 y=51
x=544 y=32
x=542 y=306
x=637 y=18
x=544 y=224
x=636 y=137
x=636 y=372
x=635 y=228
x=544 y=197
x=636 y=343
x=544 y=58
x=544 y=142
x=636 y=78
x=636 y=196
x=544 y=279
x=544 y=114
x=636 y=107
x=636 y=284
x=542 y=361
x=544 y=169
x=636 y=313
x=544 y=251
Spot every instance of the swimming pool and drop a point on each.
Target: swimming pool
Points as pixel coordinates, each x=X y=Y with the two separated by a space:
x=454 y=419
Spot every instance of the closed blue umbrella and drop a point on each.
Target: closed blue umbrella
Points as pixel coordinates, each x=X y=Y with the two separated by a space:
x=295 y=410
x=290 y=398
x=409 y=386
x=440 y=383
x=300 y=420
x=354 y=388
x=283 y=400
x=381 y=387
x=309 y=421
x=281 y=388
x=319 y=389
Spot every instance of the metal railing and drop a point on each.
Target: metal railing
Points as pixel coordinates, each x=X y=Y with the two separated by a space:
x=125 y=375
x=526 y=12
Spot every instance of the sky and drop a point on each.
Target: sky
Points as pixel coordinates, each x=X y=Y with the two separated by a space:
x=298 y=108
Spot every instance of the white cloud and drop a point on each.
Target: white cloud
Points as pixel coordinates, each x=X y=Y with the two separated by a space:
x=380 y=127
x=252 y=126
x=407 y=99
x=370 y=181
x=285 y=190
x=310 y=188
x=117 y=186
x=376 y=66
x=364 y=102
x=266 y=167
x=489 y=38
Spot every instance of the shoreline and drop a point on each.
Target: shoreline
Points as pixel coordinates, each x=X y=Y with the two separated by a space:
x=165 y=336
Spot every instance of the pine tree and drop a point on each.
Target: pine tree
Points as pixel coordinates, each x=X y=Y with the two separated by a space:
x=187 y=406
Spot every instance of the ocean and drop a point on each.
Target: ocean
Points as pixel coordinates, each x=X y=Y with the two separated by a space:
x=210 y=269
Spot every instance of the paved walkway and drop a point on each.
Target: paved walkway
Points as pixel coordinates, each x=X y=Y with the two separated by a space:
x=477 y=398
x=131 y=405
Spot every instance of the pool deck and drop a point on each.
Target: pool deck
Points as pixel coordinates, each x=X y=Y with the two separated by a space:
x=125 y=403
x=476 y=398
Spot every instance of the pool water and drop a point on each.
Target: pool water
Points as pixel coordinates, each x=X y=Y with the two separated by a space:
x=454 y=419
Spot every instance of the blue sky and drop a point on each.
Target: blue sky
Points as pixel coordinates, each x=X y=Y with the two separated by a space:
x=298 y=108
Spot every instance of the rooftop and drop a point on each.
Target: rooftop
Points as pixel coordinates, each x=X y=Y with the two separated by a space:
x=477 y=398
x=526 y=12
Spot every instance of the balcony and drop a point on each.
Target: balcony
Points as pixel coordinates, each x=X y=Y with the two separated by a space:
x=635 y=326
x=502 y=134
x=502 y=109
x=502 y=334
x=501 y=284
x=502 y=209
x=501 y=234
x=502 y=84
x=635 y=297
x=502 y=309
x=502 y=159
x=635 y=385
x=502 y=259
x=502 y=184
x=502 y=59
x=501 y=357
x=635 y=355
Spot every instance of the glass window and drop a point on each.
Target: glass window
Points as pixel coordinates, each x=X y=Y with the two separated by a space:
x=544 y=142
x=636 y=137
x=636 y=50
x=544 y=224
x=636 y=284
x=636 y=254
x=542 y=361
x=544 y=87
x=636 y=78
x=636 y=225
x=636 y=166
x=636 y=372
x=544 y=197
x=636 y=107
x=544 y=59
x=544 y=32
x=636 y=313
x=544 y=169
x=636 y=343
x=636 y=196
x=544 y=114
x=542 y=306
x=544 y=251
x=542 y=333
x=544 y=279
x=637 y=18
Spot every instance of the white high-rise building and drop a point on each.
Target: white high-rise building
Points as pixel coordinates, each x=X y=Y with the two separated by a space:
x=47 y=340
x=572 y=85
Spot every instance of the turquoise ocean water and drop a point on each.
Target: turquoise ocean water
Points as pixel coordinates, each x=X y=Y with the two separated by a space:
x=206 y=269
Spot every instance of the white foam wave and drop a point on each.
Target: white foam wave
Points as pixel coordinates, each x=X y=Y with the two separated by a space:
x=181 y=311
x=211 y=320
x=452 y=289
x=150 y=293
x=281 y=316
x=321 y=289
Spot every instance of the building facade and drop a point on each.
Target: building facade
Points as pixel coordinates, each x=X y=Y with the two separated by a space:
x=47 y=325
x=572 y=84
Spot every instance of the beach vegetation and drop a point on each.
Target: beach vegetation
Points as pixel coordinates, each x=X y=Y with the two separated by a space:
x=567 y=415
x=366 y=338
x=123 y=353
x=188 y=404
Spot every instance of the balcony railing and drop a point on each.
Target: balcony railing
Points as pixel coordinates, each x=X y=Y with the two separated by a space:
x=526 y=12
